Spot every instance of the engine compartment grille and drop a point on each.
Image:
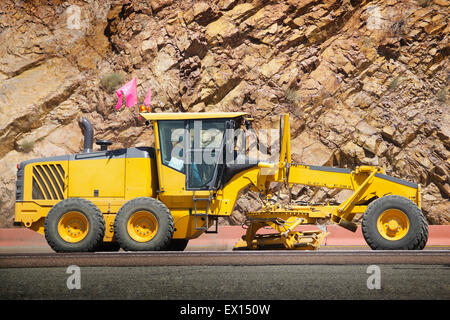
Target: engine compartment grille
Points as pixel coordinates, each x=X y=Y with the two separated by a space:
x=48 y=182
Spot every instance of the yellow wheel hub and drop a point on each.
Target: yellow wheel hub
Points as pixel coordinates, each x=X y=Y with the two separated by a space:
x=73 y=226
x=142 y=226
x=393 y=224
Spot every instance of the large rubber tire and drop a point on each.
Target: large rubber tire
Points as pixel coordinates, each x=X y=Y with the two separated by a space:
x=82 y=209
x=416 y=236
x=155 y=216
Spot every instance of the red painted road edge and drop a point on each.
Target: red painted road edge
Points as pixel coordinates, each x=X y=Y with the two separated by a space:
x=439 y=235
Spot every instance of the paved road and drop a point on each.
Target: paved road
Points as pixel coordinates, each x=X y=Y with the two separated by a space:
x=297 y=282
x=234 y=276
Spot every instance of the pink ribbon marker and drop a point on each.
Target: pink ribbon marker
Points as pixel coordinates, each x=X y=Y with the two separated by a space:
x=148 y=98
x=130 y=92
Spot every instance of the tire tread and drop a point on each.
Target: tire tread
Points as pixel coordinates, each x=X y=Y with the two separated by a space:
x=66 y=205
x=121 y=235
x=421 y=235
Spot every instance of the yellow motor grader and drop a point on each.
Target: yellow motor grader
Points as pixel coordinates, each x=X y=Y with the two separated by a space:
x=157 y=198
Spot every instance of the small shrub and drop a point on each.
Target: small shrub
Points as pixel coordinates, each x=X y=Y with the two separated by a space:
x=27 y=146
x=423 y=3
x=394 y=83
x=291 y=95
x=442 y=95
x=111 y=81
x=367 y=42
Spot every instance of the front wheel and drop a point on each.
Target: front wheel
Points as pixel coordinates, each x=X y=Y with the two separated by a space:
x=394 y=223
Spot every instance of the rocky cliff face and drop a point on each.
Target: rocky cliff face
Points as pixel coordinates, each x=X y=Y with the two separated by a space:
x=365 y=82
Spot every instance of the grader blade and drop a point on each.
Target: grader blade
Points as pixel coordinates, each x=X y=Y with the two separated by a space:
x=284 y=221
x=306 y=240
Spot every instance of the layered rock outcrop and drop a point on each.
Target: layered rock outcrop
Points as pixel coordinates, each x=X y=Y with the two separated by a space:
x=365 y=82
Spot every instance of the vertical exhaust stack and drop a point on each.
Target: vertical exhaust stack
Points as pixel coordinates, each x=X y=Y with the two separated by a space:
x=88 y=133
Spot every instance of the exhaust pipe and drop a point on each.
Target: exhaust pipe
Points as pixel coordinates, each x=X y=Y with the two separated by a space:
x=88 y=133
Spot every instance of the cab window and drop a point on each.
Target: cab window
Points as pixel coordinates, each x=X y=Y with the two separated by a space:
x=205 y=147
x=171 y=137
x=203 y=140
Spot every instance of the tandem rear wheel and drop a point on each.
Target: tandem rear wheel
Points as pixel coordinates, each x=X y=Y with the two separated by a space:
x=143 y=224
x=394 y=223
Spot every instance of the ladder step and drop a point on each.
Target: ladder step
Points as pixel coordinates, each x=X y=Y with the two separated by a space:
x=196 y=214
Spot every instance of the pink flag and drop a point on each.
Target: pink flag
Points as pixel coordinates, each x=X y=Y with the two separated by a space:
x=148 y=98
x=130 y=92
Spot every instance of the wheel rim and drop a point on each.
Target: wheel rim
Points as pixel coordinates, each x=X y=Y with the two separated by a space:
x=142 y=226
x=393 y=224
x=73 y=226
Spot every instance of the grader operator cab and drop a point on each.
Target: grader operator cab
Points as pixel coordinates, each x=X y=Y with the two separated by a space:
x=157 y=198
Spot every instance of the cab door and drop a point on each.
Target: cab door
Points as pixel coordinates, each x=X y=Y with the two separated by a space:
x=204 y=153
x=169 y=145
x=187 y=155
x=179 y=172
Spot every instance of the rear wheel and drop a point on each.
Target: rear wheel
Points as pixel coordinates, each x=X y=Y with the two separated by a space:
x=74 y=225
x=394 y=223
x=143 y=224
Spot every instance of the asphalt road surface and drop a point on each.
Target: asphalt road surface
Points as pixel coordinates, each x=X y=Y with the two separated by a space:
x=231 y=276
